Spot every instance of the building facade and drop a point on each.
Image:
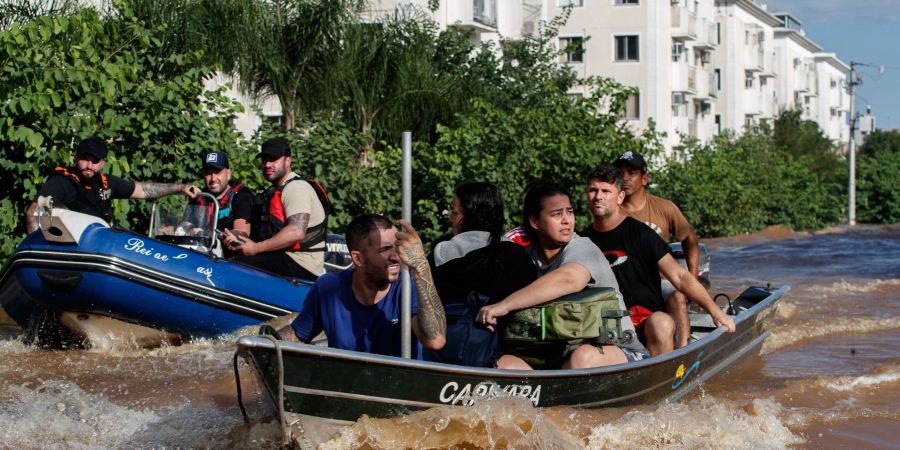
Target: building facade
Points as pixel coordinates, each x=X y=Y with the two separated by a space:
x=700 y=67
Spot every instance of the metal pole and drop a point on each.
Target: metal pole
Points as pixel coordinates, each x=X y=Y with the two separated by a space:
x=406 y=291
x=851 y=149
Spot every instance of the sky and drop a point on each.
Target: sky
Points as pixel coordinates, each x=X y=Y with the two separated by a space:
x=862 y=31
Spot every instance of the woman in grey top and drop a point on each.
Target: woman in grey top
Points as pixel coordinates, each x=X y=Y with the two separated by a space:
x=567 y=263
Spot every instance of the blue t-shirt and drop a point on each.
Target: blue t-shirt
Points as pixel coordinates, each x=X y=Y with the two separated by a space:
x=331 y=306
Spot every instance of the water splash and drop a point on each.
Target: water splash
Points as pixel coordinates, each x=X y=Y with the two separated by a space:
x=707 y=422
x=796 y=333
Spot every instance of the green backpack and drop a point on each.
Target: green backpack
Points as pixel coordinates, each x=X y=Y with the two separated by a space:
x=590 y=314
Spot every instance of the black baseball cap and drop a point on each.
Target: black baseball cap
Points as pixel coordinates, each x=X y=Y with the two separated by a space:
x=216 y=160
x=275 y=148
x=632 y=159
x=93 y=146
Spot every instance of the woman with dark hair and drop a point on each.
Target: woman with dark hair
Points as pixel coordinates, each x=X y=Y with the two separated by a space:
x=566 y=264
x=476 y=267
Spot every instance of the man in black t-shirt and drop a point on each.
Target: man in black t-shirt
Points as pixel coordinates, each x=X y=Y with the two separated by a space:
x=637 y=255
x=235 y=199
x=86 y=189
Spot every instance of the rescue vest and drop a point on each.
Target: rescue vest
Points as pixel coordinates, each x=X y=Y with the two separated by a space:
x=226 y=219
x=272 y=218
x=92 y=198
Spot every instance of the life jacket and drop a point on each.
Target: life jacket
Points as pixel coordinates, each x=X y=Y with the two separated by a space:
x=272 y=218
x=93 y=198
x=226 y=220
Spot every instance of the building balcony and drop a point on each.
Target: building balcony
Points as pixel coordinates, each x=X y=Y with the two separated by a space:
x=480 y=15
x=684 y=24
x=707 y=37
x=706 y=86
x=756 y=59
x=684 y=78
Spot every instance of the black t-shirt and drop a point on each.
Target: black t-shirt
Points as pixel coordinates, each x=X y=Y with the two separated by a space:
x=495 y=272
x=66 y=190
x=633 y=250
x=241 y=207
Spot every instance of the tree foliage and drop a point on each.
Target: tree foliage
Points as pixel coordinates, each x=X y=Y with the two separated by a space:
x=789 y=174
x=877 y=172
x=66 y=78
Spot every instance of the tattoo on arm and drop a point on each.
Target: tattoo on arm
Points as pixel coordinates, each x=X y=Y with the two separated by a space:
x=431 y=318
x=300 y=220
x=157 y=190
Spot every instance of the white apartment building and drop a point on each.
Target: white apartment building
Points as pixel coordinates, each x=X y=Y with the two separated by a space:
x=746 y=65
x=699 y=66
x=664 y=49
x=833 y=111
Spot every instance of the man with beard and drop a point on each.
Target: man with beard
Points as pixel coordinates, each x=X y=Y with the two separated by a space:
x=637 y=255
x=292 y=227
x=359 y=308
x=86 y=189
x=235 y=200
x=665 y=219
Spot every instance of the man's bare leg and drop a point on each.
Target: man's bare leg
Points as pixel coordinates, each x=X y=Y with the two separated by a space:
x=512 y=362
x=659 y=330
x=676 y=306
x=588 y=356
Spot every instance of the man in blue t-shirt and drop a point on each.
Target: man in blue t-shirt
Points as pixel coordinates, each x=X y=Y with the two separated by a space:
x=359 y=308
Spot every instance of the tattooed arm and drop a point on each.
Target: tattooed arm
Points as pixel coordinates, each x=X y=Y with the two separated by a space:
x=31 y=220
x=430 y=324
x=145 y=189
x=294 y=231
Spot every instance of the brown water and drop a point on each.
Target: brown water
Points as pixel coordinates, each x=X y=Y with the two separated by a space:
x=828 y=377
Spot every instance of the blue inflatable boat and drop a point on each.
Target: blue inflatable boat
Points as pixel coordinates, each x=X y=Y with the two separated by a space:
x=78 y=278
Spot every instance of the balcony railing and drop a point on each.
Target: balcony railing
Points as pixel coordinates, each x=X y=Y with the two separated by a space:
x=684 y=23
x=707 y=37
x=713 y=86
x=485 y=12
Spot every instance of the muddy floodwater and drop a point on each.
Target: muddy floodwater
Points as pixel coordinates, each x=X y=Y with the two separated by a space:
x=828 y=377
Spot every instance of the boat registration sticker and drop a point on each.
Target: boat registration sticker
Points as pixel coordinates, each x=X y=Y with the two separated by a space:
x=682 y=372
x=455 y=394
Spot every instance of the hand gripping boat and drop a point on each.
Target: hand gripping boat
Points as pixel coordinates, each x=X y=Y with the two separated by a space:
x=318 y=390
x=78 y=280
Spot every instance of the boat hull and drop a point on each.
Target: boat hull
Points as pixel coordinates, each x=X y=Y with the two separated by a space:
x=381 y=386
x=137 y=280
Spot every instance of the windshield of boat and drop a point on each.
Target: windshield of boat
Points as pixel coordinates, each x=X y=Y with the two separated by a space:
x=174 y=216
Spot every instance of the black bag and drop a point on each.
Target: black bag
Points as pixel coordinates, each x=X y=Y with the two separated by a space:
x=468 y=343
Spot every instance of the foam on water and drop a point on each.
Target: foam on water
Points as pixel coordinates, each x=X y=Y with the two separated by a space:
x=704 y=423
x=863 y=287
x=786 y=336
x=61 y=412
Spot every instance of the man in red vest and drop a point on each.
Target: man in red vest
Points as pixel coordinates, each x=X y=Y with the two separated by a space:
x=86 y=189
x=292 y=227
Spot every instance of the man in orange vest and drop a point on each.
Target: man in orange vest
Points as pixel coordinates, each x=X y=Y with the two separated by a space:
x=86 y=189
x=290 y=240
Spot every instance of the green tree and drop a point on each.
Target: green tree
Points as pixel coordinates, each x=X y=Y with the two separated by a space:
x=70 y=77
x=878 y=169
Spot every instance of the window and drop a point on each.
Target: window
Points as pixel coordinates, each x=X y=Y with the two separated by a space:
x=625 y=2
x=571 y=49
x=632 y=109
x=562 y=3
x=718 y=123
x=748 y=82
x=627 y=48
x=718 y=73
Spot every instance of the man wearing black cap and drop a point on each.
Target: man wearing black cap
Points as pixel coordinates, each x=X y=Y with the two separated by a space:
x=292 y=226
x=235 y=199
x=666 y=219
x=86 y=189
